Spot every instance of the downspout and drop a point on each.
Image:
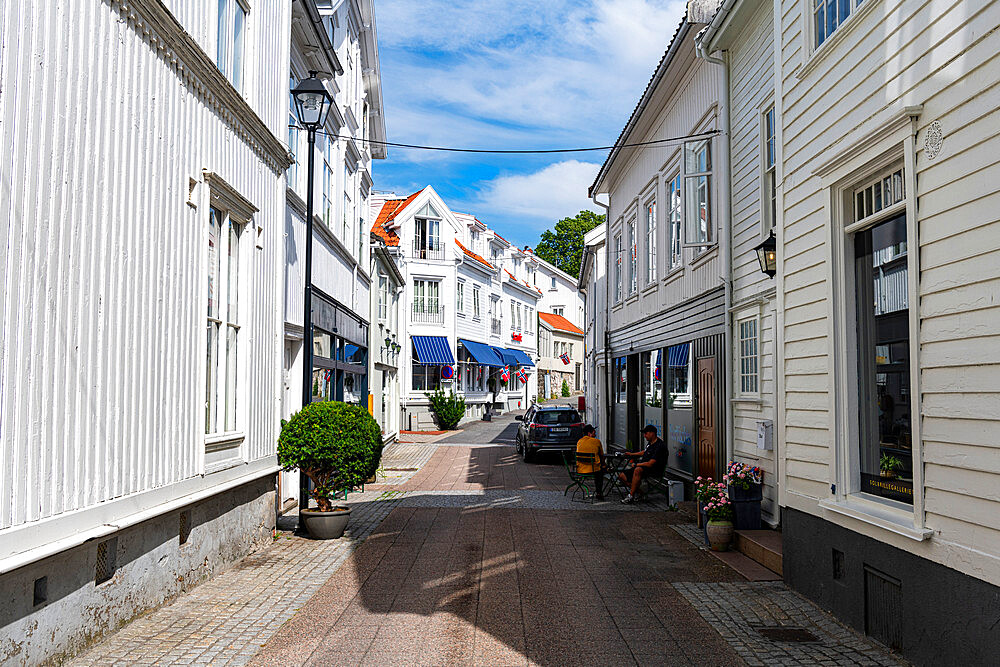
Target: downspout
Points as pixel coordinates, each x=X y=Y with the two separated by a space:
x=727 y=237
x=607 y=319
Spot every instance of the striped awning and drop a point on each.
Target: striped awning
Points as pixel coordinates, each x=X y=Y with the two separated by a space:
x=432 y=350
x=677 y=356
x=482 y=353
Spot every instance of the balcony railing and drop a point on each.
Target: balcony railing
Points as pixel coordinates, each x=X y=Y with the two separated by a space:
x=496 y=327
x=420 y=252
x=427 y=313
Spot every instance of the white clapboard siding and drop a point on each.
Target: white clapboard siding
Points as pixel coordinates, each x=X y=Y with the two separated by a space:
x=103 y=316
x=686 y=103
x=944 y=56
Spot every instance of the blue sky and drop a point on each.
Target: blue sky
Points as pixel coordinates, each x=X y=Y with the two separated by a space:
x=514 y=74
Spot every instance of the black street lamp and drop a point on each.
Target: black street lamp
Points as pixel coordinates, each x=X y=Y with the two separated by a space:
x=312 y=105
x=767 y=255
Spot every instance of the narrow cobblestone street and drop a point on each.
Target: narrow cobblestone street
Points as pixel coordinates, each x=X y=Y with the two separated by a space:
x=462 y=554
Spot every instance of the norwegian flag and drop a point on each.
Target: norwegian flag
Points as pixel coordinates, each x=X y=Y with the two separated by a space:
x=565 y=358
x=505 y=374
x=522 y=376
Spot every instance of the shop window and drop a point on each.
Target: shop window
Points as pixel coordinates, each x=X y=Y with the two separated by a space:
x=425 y=377
x=652 y=389
x=883 y=351
x=324 y=384
x=621 y=373
x=679 y=375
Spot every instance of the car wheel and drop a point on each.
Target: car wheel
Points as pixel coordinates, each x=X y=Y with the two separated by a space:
x=526 y=454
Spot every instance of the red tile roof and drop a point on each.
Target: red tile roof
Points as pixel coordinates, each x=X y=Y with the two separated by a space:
x=390 y=209
x=521 y=282
x=473 y=255
x=559 y=322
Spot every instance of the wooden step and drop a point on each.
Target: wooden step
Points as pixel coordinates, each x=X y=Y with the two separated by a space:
x=763 y=546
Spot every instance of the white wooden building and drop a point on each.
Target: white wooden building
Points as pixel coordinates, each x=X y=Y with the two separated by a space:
x=142 y=198
x=560 y=356
x=463 y=317
x=593 y=286
x=339 y=42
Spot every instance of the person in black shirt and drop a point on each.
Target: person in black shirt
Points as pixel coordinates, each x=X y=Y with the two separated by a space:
x=651 y=463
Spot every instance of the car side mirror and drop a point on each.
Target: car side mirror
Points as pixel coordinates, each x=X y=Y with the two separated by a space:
x=519 y=418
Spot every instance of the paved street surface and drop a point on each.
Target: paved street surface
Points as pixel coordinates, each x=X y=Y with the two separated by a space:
x=461 y=554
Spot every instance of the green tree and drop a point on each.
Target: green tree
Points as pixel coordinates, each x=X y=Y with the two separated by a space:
x=563 y=244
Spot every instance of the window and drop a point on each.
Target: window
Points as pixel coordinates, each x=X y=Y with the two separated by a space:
x=697 y=193
x=618 y=267
x=518 y=317
x=633 y=277
x=293 y=134
x=559 y=310
x=224 y=234
x=829 y=14
x=883 y=358
x=426 y=295
x=427 y=238
x=878 y=195
x=748 y=359
x=475 y=301
x=529 y=319
x=471 y=375
x=328 y=183
x=425 y=377
x=553 y=283
x=383 y=297
x=230 y=29
x=621 y=386
x=460 y=298
x=769 y=199
x=679 y=376
x=650 y=242
x=513 y=316
x=676 y=240
x=361 y=225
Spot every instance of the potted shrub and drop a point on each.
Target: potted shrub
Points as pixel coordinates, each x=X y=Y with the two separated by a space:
x=565 y=388
x=707 y=491
x=746 y=493
x=888 y=465
x=337 y=446
x=448 y=409
x=720 y=523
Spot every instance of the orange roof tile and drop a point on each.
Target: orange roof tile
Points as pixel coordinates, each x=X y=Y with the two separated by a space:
x=559 y=322
x=390 y=209
x=473 y=255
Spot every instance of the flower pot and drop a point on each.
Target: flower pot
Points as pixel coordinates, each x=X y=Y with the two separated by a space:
x=326 y=525
x=888 y=474
x=720 y=534
x=746 y=506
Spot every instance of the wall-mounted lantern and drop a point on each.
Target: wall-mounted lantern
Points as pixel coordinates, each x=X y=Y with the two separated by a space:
x=767 y=255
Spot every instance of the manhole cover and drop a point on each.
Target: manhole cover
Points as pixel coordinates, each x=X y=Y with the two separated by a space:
x=782 y=634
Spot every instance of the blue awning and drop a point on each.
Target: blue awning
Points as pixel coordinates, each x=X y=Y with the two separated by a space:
x=520 y=358
x=677 y=356
x=507 y=356
x=432 y=350
x=483 y=353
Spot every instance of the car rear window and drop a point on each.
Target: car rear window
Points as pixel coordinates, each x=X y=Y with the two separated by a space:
x=549 y=417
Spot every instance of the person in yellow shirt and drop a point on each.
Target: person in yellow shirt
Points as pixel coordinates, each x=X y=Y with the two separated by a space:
x=588 y=444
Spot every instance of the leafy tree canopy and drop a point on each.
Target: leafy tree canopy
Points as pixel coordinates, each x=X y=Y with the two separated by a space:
x=562 y=246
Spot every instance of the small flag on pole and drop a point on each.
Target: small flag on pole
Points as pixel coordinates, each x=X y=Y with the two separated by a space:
x=505 y=374
x=565 y=358
x=522 y=376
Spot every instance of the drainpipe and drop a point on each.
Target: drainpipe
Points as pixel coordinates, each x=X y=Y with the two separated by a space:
x=727 y=235
x=607 y=318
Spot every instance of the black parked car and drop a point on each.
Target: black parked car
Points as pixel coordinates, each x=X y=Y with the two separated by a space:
x=548 y=428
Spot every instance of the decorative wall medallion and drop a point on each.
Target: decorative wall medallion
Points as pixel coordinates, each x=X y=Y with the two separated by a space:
x=933 y=138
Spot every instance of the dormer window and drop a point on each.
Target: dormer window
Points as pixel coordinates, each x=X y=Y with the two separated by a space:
x=427 y=234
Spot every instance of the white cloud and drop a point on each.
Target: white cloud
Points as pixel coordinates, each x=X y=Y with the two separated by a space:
x=542 y=197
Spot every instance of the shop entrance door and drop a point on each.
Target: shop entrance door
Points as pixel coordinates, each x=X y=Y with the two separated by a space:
x=706 y=416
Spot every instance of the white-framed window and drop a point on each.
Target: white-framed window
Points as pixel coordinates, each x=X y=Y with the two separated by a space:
x=475 y=301
x=828 y=15
x=230 y=36
x=529 y=319
x=552 y=284
x=460 y=298
x=882 y=192
x=676 y=230
x=292 y=174
x=513 y=316
x=559 y=310
x=223 y=327
x=748 y=355
x=362 y=227
x=519 y=317
x=651 y=242
x=426 y=296
x=633 y=259
x=618 y=267
x=697 y=167
x=769 y=188
x=383 y=297
x=427 y=234
x=329 y=156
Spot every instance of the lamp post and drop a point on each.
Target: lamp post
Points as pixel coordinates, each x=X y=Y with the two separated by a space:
x=767 y=255
x=312 y=105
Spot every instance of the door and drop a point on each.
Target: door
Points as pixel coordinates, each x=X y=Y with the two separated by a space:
x=706 y=416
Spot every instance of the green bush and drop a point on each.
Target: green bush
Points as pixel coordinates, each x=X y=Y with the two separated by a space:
x=448 y=409
x=336 y=445
x=565 y=388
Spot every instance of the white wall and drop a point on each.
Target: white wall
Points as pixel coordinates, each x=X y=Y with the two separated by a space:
x=565 y=293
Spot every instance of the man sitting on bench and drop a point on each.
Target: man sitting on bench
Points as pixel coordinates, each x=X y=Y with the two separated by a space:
x=652 y=461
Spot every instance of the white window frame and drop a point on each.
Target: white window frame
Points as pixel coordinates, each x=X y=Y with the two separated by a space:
x=292 y=173
x=475 y=302
x=688 y=176
x=230 y=40
x=650 y=213
x=460 y=297
x=329 y=183
x=633 y=257
x=769 y=171
x=818 y=8
x=618 y=267
x=422 y=295
x=559 y=310
x=552 y=284
x=383 y=297
x=676 y=221
x=747 y=354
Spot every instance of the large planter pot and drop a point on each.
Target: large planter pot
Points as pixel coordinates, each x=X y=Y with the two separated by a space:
x=326 y=525
x=720 y=534
x=746 y=506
